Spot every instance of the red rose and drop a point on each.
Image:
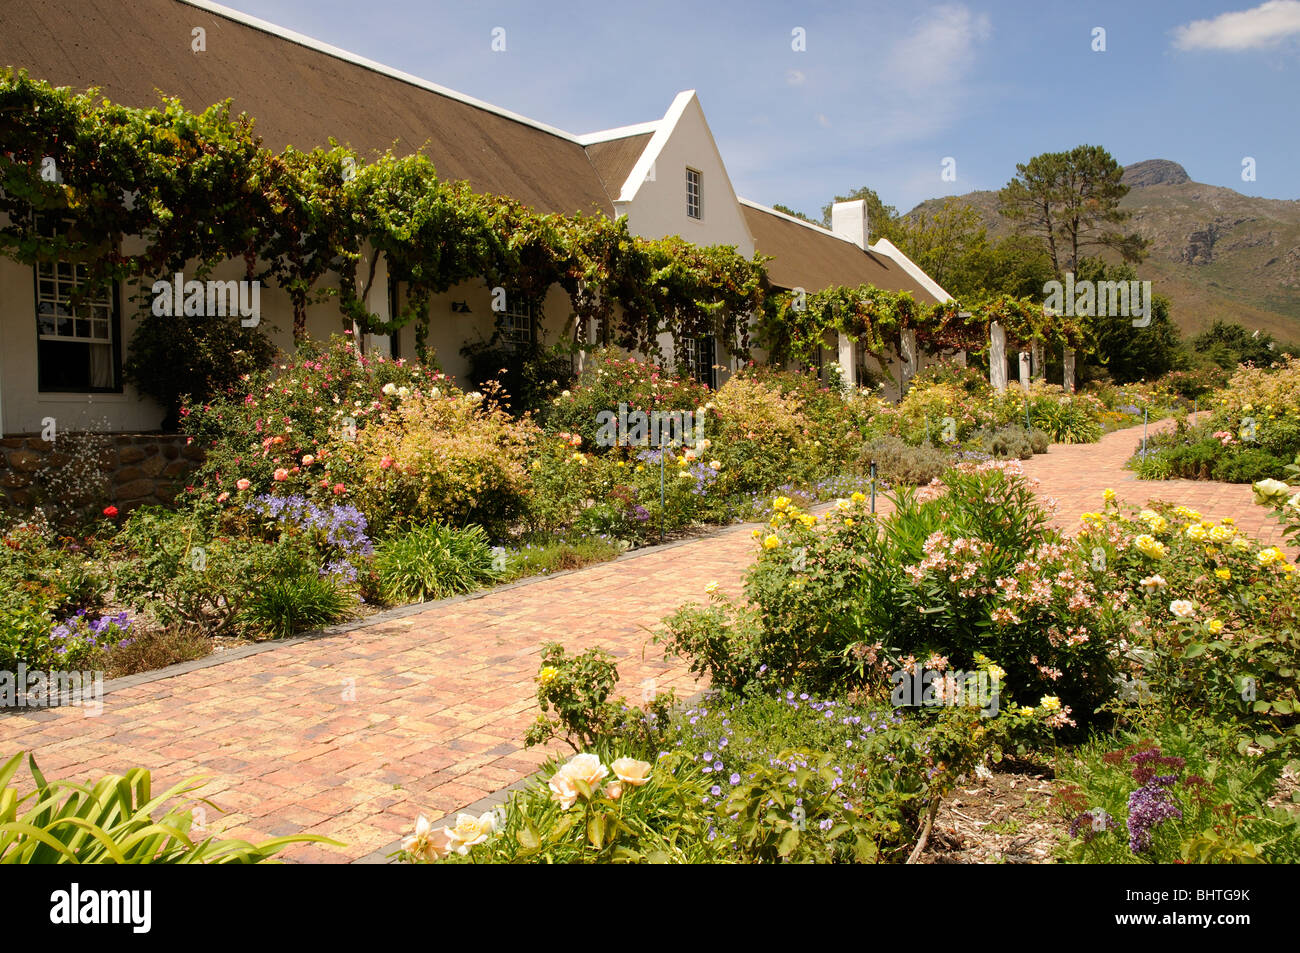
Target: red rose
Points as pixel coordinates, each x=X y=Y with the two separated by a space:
x=110 y=511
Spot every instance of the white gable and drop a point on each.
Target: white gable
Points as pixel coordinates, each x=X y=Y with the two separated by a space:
x=654 y=196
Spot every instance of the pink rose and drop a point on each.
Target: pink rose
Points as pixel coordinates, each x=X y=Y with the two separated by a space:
x=281 y=475
x=385 y=462
x=308 y=460
x=222 y=497
x=339 y=489
x=243 y=484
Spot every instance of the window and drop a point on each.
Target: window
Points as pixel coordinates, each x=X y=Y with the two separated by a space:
x=692 y=193
x=77 y=346
x=697 y=359
x=517 y=323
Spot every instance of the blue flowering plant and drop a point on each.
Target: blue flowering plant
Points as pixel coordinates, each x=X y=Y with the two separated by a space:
x=83 y=639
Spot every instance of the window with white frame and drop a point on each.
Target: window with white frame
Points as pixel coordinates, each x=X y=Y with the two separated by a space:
x=693 y=193
x=697 y=359
x=517 y=322
x=77 y=347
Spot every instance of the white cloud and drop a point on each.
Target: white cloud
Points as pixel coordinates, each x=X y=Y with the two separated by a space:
x=1265 y=25
x=795 y=77
x=940 y=50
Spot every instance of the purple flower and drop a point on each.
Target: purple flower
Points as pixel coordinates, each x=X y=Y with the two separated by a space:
x=1148 y=807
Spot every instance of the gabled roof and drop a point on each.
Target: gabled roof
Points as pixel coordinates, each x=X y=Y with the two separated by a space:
x=811 y=257
x=615 y=158
x=300 y=91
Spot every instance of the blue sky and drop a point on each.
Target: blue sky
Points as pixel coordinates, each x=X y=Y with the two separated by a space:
x=882 y=93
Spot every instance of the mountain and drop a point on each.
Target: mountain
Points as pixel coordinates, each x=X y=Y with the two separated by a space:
x=1214 y=252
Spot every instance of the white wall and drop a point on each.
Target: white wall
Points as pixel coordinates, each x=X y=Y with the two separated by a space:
x=656 y=205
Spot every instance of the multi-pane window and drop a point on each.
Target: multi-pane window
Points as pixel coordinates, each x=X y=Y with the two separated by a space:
x=697 y=359
x=517 y=323
x=692 y=193
x=75 y=335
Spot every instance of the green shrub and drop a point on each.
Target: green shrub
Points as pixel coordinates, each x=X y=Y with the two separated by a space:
x=184 y=569
x=433 y=562
x=1184 y=796
x=297 y=601
x=195 y=359
x=582 y=812
x=577 y=689
x=117 y=820
x=950 y=576
x=530 y=378
x=1249 y=465
x=607 y=381
x=898 y=464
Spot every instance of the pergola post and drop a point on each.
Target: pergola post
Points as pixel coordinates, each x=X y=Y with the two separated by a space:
x=1024 y=370
x=997 y=357
x=1068 y=376
x=848 y=367
x=1037 y=365
x=907 y=351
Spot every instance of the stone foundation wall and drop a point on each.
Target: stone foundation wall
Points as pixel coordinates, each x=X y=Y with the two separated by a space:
x=141 y=468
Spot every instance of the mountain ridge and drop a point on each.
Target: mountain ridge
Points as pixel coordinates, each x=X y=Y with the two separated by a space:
x=1214 y=252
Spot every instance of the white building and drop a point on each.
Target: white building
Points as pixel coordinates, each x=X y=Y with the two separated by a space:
x=667 y=176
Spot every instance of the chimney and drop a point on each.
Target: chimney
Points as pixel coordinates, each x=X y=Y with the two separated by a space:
x=849 y=221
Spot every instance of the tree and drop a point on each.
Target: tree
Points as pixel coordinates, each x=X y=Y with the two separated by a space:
x=881 y=218
x=1126 y=352
x=942 y=242
x=1228 y=344
x=1070 y=202
x=793 y=214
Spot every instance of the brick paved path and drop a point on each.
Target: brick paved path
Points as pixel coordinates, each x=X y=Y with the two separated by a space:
x=351 y=735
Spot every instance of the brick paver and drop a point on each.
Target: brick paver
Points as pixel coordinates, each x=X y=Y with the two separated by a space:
x=354 y=734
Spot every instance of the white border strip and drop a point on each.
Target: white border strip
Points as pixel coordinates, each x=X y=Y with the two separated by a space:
x=622 y=132
x=894 y=253
x=663 y=132
x=798 y=221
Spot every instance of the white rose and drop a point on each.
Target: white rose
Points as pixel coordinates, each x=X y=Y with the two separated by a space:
x=469 y=831
x=427 y=843
x=389 y=389
x=1182 y=608
x=563 y=790
x=585 y=767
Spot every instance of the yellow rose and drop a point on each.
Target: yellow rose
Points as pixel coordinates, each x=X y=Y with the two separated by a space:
x=1215 y=626
x=1224 y=574
x=631 y=772
x=548 y=674
x=780 y=502
x=857 y=497
x=1108 y=495
x=772 y=542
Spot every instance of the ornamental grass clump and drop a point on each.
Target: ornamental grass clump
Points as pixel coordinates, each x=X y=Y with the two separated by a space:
x=433 y=562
